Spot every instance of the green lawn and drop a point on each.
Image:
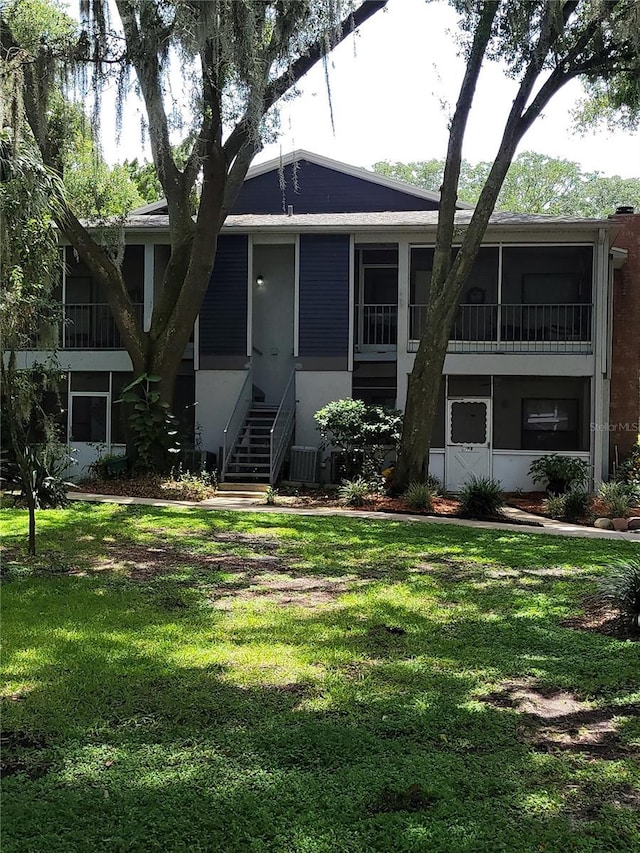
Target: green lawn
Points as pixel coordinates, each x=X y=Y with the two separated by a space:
x=177 y=680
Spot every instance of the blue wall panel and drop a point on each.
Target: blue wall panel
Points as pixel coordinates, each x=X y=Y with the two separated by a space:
x=324 y=295
x=223 y=317
x=318 y=189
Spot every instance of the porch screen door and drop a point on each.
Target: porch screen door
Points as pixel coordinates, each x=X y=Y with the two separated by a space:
x=89 y=428
x=468 y=451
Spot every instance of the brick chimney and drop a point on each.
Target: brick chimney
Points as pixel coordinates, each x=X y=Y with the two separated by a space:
x=624 y=417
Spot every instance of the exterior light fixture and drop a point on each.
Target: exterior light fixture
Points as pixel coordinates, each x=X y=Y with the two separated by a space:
x=260 y=281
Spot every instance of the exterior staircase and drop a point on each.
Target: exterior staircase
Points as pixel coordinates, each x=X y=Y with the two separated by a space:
x=250 y=459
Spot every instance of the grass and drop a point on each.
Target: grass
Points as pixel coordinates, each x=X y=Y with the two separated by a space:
x=178 y=680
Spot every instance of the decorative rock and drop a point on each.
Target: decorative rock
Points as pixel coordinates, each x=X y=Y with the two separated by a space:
x=603 y=523
x=634 y=523
x=620 y=524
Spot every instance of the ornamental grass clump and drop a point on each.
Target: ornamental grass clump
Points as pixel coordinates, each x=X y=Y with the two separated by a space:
x=481 y=497
x=354 y=492
x=574 y=505
x=620 y=589
x=419 y=496
x=618 y=497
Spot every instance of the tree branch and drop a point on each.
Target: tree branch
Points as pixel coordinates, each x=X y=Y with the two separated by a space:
x=277 y=88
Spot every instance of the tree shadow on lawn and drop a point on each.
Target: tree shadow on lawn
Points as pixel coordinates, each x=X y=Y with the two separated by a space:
x=324 y=544
x=170 y=758
x=144 y=751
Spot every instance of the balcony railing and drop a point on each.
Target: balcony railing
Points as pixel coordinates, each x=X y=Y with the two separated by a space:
x=92 y=327
x=377 y=326
x=512 y=328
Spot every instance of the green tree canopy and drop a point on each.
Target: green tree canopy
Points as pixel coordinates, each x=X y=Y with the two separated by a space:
x=534 y=183
x=545 y=44
x=212 y=71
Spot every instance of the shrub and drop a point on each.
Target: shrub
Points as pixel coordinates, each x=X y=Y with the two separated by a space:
x=48 y=465
x=577 y=504
x=363 y=434
x=555 y=506
x=436 y=485
x=270 y=496
x=481 y=497
x=419 y=496
x=574 y=505
x=621 y=589
x=155 y=429
x=354 y=492
x=618 y=497
x=101 y=468
x=629 y=470
x=187 y=486
x=559 y=473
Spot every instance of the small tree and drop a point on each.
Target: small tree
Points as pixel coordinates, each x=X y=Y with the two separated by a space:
x=29 y=267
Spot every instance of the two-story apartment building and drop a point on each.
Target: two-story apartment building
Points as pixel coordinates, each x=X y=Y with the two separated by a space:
x=319 y=292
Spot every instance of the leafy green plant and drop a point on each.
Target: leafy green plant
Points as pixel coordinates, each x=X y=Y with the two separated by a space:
x=189 y=485
x=354 y=492
x=481 y=497
x=270 y=496
x=574 y=505
x=559 y=473
x=154 y=428
x=419 y=496
x=362 y=433
x=436 y=485
x=578 y=504
x=620 y=588
x=618 y=497
x=555 y=506
x=629 y=470
x=48 y=465
x=101 y=468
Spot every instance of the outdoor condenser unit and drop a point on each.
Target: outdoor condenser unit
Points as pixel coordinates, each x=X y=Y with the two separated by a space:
x=303 y=464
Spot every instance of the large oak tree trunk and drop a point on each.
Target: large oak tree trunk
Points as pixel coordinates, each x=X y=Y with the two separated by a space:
x=448 y=279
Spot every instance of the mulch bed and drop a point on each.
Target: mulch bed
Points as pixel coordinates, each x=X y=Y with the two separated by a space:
x=534 y=502
x=446 y=506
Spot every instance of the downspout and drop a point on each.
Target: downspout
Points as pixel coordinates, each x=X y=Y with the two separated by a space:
x=600 y=417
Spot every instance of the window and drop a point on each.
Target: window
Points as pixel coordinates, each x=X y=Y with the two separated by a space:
x=549 y=424
x=88 y=418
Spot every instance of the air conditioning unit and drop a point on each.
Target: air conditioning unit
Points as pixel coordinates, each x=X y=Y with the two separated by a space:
x=303 y=464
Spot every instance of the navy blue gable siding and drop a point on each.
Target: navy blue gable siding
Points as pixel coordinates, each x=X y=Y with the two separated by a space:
x=324 y=295
x=321 y=190
x=223 y=317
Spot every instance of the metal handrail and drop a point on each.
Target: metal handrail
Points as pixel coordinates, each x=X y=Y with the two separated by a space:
x=547 y=327
x=377 y=324
x=236 y=421
x=92 y=325
x=282 y=426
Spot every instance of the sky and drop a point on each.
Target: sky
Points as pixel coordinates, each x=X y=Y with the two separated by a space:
x=393 y=87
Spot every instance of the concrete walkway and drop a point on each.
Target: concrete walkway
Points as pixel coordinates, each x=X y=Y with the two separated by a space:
x=526 y=521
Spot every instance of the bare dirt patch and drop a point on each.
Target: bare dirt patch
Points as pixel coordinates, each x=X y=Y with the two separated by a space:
x=143 y=563
x=556 y=721
x=21 y=753
x=259 y=576
x=602 y=619
x=286 y=589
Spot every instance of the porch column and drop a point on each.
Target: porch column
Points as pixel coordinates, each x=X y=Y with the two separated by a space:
x=404 y=361
x=149 y=269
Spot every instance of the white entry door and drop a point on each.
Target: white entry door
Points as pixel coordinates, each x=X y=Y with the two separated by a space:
x=89 y=429
x=468 y=452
